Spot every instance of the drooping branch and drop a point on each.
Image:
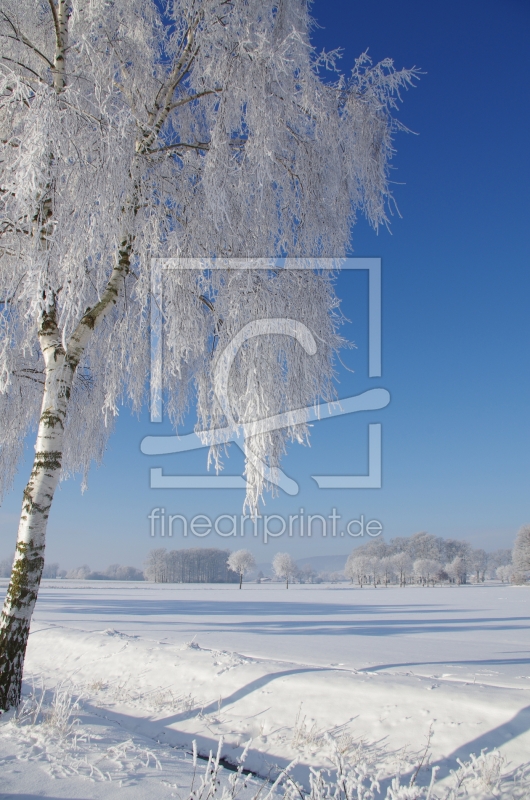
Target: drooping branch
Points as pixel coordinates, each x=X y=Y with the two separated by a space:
x=191 y=97
x=163 y=101
x=167 y=148
x=95 y=315
x=219 y=320
x=20 y=37
x=24 y=66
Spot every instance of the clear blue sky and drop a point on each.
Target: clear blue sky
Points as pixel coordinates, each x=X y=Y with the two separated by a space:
x=456 y=335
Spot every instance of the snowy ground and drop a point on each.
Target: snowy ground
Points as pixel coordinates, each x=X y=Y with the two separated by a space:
x=160 y=665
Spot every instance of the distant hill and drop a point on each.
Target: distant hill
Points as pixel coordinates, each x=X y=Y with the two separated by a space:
x=324 y=563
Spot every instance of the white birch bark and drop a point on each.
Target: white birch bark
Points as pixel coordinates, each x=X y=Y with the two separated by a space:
x=38 y=495
x=28 y=563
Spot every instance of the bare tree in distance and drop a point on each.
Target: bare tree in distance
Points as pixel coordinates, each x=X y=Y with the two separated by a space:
x=284 y=567
x=403 y=566
x=478 y=561
x=521 y=555
x=387 y=569
x=457 y=570
x=504 y=573
x=357 y=567
x=426 y=570
x=192 y=129
x=241 y=561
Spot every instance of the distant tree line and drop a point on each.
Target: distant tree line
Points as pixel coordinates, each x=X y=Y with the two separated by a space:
x=520 y=558
x=193 y=565
x=50 y=570
x=423 y=559
x=116 y=572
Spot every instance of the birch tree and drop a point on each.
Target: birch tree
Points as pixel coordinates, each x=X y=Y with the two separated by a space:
x=191 y=128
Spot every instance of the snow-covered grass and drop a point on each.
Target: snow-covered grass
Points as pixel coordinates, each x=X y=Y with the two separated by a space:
x=48 y=725
x=375 y=686
x=46 y=732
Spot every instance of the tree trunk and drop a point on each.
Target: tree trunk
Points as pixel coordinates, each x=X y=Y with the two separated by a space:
x=240 y=579
x=37 y=499
x=60 y=366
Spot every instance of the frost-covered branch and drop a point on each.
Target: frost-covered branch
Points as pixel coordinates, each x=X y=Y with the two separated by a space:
x=19 y=36
x=164 y=100
x=180 y=145
x=190 y=98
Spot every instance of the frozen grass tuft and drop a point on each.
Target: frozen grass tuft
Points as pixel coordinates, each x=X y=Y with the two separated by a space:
x=354 y=777
x=483 y=777
x=58 y=716
x=47 y=729
x=53 y=710
x=306 y=733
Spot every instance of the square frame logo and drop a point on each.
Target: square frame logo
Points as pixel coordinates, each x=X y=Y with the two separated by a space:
x=373 y=399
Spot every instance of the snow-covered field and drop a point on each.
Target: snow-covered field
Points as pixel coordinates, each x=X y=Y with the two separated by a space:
x=374 y=673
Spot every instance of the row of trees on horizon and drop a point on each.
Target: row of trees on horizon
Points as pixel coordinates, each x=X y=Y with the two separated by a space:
x=418 y=559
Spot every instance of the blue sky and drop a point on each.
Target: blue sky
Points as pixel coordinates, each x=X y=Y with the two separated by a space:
x=456 y=338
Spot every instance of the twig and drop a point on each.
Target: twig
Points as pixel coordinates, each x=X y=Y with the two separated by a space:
x=424 y=756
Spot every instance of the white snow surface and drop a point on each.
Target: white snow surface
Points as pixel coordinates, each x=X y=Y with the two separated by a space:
x=157 y=666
